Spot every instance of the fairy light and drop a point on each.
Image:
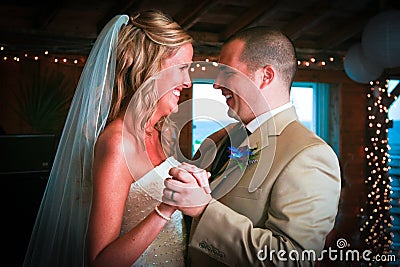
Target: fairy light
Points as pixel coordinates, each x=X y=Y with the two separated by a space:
x=21 y=57
x=376 y=220
x=313 y=62
x=316 y=62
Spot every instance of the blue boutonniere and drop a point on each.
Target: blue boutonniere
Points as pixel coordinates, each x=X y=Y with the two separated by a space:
x=243 y=155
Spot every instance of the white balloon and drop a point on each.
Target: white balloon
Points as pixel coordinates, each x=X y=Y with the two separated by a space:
x=380 y=39
x=358 y=67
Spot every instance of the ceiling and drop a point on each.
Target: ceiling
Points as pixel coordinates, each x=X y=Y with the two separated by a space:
x=319 y=28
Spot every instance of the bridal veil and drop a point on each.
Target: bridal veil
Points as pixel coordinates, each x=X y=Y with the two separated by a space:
x=59 y=233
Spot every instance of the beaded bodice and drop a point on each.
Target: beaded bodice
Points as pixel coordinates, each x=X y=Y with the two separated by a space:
x=169 y=247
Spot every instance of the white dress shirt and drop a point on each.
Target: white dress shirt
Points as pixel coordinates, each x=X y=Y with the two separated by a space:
x=260 y=119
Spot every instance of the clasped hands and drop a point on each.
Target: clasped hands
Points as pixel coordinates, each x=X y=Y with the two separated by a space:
x=188 y=189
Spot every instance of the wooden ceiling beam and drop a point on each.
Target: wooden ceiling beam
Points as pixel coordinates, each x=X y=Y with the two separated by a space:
x=190 y=14
x=307 y=20
x=121 y=7
x=37 y=42
x=205 y=38
x=350 y=28
x=248 y=17
x=272 y=11
x=47 y=13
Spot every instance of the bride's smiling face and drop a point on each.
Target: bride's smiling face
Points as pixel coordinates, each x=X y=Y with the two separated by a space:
x=173 y=78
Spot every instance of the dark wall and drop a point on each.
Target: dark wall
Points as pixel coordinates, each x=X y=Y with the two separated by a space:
x=24 y=191
x=15 y=76
x=25 y=161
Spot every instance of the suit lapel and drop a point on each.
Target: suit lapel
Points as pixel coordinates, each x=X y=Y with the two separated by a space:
x=219 y=160
x=269 y=133
x=264 y=139
x=226 y=166
x=234 y=137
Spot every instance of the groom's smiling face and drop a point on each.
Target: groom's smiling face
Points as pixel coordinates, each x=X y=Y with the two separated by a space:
x=235 y=83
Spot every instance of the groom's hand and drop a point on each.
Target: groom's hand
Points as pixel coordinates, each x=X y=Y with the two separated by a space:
x=201 y=176
x=186 y=192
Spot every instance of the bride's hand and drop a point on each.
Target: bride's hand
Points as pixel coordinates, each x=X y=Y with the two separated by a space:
x=183 y=190
x=200 y=175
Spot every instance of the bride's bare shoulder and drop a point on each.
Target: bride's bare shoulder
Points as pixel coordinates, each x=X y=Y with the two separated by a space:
x=114 y=139
x=111 y=138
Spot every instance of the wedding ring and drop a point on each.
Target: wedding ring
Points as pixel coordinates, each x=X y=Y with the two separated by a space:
x=172 y=195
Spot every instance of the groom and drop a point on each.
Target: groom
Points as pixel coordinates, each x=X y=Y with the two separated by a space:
x=274 y=193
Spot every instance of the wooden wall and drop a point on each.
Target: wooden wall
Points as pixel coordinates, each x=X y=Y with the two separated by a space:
x=23 y=190
x=351 y=122
x=352 y=131
x=15 y=75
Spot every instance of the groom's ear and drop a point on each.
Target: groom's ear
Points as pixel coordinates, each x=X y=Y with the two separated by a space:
x=268 y=74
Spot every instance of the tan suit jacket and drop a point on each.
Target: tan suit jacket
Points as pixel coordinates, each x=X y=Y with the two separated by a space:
x=277 y=209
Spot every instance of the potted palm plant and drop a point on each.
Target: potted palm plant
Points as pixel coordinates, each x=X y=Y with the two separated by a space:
x=43 y=102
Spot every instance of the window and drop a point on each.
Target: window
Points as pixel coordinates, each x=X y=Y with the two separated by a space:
x=302 y=97
x=203 y=123
x=312 y=105
x=310 y=99
x=394 y=172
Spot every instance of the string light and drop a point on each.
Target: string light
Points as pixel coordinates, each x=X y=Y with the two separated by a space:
x=45 y=55
x=318 y=63
x=312 y=62
x=376 y=220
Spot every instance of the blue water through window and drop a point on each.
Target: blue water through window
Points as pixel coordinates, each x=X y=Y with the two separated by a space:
x=310 y=99
x=394 y=172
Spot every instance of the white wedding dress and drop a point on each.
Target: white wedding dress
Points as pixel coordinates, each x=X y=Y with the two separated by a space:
x=169 y=247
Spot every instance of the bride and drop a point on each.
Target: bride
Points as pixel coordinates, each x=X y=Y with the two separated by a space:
x=102 y=205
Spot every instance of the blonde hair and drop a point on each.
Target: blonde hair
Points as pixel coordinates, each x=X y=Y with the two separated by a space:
x=148 y=38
